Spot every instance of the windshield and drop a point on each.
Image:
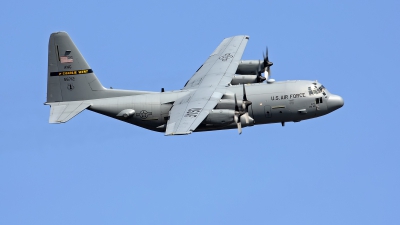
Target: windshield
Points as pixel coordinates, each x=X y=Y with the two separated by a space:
x=314 y=90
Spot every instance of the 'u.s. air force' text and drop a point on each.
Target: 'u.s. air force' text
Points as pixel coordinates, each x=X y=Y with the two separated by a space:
x=291 y=96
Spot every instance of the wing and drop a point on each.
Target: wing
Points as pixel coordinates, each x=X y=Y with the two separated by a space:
x=221 y=65
x=189 y=112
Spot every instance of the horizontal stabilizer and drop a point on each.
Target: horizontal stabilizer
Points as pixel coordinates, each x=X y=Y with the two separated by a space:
x=61 y=112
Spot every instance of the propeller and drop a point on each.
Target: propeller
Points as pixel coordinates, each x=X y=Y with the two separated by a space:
x=245 y=105
x=244 y=110
x=267 y=65
x=260 y=78
x=237 y=116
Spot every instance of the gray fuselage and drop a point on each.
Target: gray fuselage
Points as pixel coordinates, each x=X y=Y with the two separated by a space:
x=278 y=102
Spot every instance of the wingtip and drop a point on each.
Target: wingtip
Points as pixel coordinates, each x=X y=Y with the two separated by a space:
x=243 y=36
x=176 y=134
x=59 y=33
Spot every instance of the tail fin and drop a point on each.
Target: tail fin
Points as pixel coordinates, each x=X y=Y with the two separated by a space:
x=71 y=83
x=69 y=77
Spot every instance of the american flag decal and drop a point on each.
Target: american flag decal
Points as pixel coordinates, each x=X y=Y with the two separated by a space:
x=66 y=59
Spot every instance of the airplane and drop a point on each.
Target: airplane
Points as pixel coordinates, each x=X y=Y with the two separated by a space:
x=226 y=92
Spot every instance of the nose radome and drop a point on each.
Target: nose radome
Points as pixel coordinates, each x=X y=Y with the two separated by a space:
x=335 y=102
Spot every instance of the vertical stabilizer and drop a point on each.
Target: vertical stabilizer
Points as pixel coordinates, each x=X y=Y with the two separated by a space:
x=69 y=77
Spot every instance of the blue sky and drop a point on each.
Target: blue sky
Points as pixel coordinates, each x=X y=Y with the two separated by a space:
x=342 y=168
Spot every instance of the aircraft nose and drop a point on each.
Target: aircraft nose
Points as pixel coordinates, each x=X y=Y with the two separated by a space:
x=335 y=102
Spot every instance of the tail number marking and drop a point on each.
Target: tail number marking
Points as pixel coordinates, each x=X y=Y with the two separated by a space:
x=69 y=78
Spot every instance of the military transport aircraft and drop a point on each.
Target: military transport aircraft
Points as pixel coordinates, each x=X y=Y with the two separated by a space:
x=225 y=92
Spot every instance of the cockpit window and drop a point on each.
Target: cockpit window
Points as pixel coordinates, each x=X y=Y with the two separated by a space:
x=316 y=90
x=310 y=91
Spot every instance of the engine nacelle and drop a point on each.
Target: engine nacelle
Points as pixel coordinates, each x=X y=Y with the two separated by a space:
x=220 y=117
x=249 y=66
x=243 y=79
x=228 y=104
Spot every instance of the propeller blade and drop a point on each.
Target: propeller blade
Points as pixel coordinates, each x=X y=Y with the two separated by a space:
x=244 y=94
x=238 y=123
x=267 y=65
x=260 y=78
x=245 y=105
x=267 y=73
x=266 y=57
x=236 y=106
x=246 y=116
x=237 y=115
x=239 y=127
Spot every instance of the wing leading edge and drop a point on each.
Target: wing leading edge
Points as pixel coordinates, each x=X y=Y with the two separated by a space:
x=189 y=112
